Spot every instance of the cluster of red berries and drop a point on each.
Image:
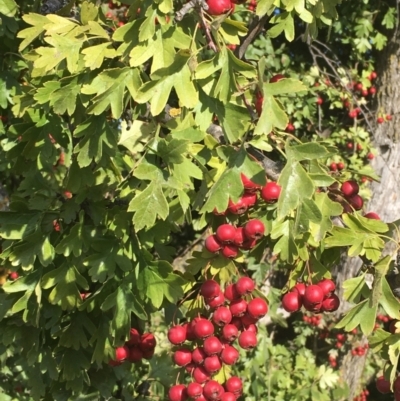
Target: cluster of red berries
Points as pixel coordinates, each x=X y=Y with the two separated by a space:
x=337 y=166
x=211 y=340
x=315 y=298
x=332 y=361
x=383 y=386
x=350 y=189
x=252 y=5
x=138 y=347
x=381 y=119
x=360 y=350
x=312 y=320
x=362 y=396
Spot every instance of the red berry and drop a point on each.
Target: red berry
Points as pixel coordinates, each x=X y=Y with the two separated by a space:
x=212 y=346
x=247 y=339
x=333 y=166
x=230 y=333
x=276 y=78
x=372 y=90
x=212 y=364
x=356 y=202
x=372 y=215
x=222 y=316
x=388 y=117
x=238 y=307
x=331 y=303
x=328 y=286
x=228 y=397
x=212 y=244
x=177 y=393
x=249 y=185
x=239 y=207
x=212 y=390
x=135 y=355
x=270 y=192
x=239 y=237
x=121 y=353
x=319 y=100
x=312 y=307
x=353 y=113
x=254 y=229
x=183 y=356
x=373 y=75
x=200 y=375
x=147 y=342
x=194 y=390
x=249 y=243
x=383 y=385
x=248 y=320
x=380 y=120
x=234 y=385
x=231 y=293
x=290 y=128
x=226 y=233
x=349 y=188
x=217 y=301
x=291 y=302
x=249 y=199
x=203 y=329
x=245 y=285
x=13 y=275
x=134 y=337
x=349 y=145
x=340 y=166
x=300 y=288
x=257 y=308
x=370 y=156
x=177 y=335
x=210 y=289
x=198 y=355
x=230 y=251
x=229 y=355
x=313 y=294
x=218 y=7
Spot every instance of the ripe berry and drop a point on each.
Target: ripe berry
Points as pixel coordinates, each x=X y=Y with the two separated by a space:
x=194 y=390
x=177 y=393
x=134 y=337
x=212 y=364
x=198 y=355
x=210 y=289
x=230 y=333
x=313 y=294
x=356 y=201
x=257 y=308
x=248 y=320
x=383 y=385
x=312 y=307
x=258 y=104
x=270 y=192
x=370 y=156
x=372 y=90
x=212 y=244
x=234 y=385
x=300 y=288
x=147 y=342
x=380 y=120
x=231 y=293
x=177 y=335
x=290 y=128
x=148 y=353
x=247 y=340
x=229 y=355
x=249 y=199
x=319 y=100
x=238 y=307
x=291 y=302
x=333 y=166
x=340 y=166
x=228 y=397
x=182 y=356
x=222 y=316
x=331 y=303
x=388 y=117
x=328 y=286
x=349 y=188
x=200 y=375
x=218 y=7
x=373 y=75
x=212 y=346
x=225 y=233
x=372 y=215
x=13 y=275
x=203 y=329
x=249 y=185
x=249 y=243
x=276 y=78
x=230 y=251
x=352 y=113
x=121 y=353
x=239 y=237
x=239 y=207
x=135 y=355
x=254 y=229
x=217 y=301
x=245 y=285
x=212 y=390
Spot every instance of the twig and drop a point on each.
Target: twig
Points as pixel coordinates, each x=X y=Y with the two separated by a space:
x=201 y=4
x=272 y=168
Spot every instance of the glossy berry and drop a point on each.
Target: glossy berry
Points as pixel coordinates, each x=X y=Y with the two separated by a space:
x=239 y=237
x=249 y=185
x=200 y=375
x=178 y=393
x=212 y=390
x=238 y=307
x=276 y=78
x=212 y=346
x=328 y=286
x=218 y=7
x=372 y=215
x=230 y=333
x=331 y=303
x=245 y=285
x=212 y=364
x=121 y=353
x=247 y=339
x=228 y=397
x=234 y=385
x=356 y=202
x=313 y=294
x=177 y=335
x=182 y=356
x=222 y=316
x=217 y=301
x=248 y=320
x=249 y=199
x=291 y=302
x=257 y=308
x=340 y=166
x=212 y=244
x=231 y=293
x=147 y=342
x=198 y=355
x=300 y=288
x=230 y=251
x=349 y=188
x=225 y=233
x=194 y=390
x=383 y=385
x=333 y=166
x=13 y=275
x=239 y=207
x=254 y=229
x=134 y=337
x=229 y=355
x=270 y=192
x=210 y=289
x=135 y=355
x=380 y=120
x=203 y=329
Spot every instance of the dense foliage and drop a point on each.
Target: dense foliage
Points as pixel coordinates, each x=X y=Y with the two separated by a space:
x=127 y=130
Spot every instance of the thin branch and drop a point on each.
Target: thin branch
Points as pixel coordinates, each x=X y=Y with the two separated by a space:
x=201 y=4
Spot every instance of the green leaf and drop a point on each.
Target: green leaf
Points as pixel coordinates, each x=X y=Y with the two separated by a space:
x=286 y=246
x=272 y=116
x=149 y=204
x=8 y=8
x=138 y=132
x=353 y=288
x=95 y=55
x=284 y=22
x=361 y=314
x=284 y=86
x=30 y=34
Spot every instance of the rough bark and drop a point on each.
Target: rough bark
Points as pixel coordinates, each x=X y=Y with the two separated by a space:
x=386 y=193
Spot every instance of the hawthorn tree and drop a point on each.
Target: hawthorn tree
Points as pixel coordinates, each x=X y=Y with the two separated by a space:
x=172 y=164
